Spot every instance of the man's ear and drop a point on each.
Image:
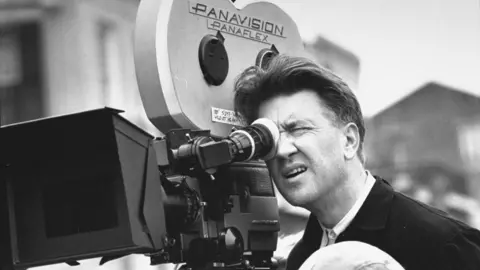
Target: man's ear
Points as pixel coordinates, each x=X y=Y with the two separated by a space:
x=352 y=142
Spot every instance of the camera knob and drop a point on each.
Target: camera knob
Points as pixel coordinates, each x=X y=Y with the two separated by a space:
x=213 y=59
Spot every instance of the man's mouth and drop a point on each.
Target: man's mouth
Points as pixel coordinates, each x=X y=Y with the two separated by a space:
x=294 y=172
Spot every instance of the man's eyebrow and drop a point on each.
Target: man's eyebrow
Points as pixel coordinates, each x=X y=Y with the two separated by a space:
x=291 y=123
x=288 y=122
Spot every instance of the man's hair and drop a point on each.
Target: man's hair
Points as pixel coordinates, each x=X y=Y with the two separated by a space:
x=286 y=75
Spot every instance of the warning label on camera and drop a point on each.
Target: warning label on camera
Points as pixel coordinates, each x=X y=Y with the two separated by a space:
x=225 y=116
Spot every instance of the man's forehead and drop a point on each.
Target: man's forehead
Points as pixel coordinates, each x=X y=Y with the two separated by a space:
x=280 y=109
x=281 y=117
x=293 y=119
x=279 y=113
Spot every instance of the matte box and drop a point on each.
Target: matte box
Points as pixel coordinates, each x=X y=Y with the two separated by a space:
x=77 y=186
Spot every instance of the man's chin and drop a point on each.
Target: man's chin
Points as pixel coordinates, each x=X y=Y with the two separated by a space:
x=305 y=200
x=296 y=208
x=300 y=202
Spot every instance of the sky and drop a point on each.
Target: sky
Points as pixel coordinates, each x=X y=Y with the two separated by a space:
x=401 y=44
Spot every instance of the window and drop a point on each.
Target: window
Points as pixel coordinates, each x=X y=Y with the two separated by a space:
x=21 y=93
x=110 y=64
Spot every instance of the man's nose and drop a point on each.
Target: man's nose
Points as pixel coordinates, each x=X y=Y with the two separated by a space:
x=286 y=146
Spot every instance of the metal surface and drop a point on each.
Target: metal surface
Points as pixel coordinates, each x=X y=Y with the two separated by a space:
x=168 y=35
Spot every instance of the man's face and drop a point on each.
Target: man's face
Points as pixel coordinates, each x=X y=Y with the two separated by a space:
x=309 y=163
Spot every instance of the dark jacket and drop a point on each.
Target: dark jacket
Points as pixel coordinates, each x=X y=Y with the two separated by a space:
x=416 y=235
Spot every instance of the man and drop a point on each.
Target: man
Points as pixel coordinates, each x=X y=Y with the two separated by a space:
x=350 y=255
x=319 y=165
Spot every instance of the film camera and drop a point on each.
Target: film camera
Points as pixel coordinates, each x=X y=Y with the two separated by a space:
x=93 y=184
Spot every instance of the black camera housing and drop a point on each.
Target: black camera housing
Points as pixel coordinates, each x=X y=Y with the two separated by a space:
x=77 y=186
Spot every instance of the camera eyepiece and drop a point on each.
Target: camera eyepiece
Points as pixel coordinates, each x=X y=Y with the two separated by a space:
x=258 y=140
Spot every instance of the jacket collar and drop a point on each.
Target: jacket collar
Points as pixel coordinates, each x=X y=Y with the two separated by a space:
x=373 y=214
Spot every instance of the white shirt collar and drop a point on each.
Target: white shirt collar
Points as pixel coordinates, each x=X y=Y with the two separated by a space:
x=348 y=218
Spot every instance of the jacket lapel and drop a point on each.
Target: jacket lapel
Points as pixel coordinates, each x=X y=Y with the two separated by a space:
x=313 y=233
x=372 y=216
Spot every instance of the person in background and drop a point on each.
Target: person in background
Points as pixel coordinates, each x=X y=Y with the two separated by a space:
x=320 y=166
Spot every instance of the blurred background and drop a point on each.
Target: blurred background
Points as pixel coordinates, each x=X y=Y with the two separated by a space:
x=414 y=65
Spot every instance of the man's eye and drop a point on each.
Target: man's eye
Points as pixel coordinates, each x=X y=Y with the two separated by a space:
x=298 y=129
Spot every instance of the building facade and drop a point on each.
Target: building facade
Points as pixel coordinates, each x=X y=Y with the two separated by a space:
x=70 y=56
x=337 y=59
x=427 y=145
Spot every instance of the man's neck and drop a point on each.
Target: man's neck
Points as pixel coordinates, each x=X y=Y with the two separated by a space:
x=331 y=209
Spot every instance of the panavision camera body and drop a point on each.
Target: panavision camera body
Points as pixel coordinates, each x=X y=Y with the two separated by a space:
x=93 y=184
